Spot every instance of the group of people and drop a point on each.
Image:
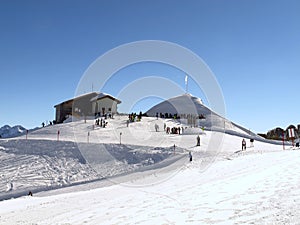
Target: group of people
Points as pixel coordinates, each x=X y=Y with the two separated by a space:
x=135 y=117
x=167 y=116
x=181 y=116
x=174 y=130
x=101 y=123
x=50 y=123
x=244 y=143
x=105 y=115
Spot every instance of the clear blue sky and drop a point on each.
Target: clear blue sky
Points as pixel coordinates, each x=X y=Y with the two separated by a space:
x=252 y=46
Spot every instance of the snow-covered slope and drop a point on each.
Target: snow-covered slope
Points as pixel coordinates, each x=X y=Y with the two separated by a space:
x=251 y=189
x=165 y=182
x=83 y=152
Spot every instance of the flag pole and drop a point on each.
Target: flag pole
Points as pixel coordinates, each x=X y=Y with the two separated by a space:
x=186 y=84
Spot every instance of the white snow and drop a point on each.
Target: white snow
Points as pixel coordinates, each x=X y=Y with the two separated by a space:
x=155 y=185
x=254 y=189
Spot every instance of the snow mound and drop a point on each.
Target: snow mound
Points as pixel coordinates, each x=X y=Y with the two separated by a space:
x=193 y=112
x=183 y=104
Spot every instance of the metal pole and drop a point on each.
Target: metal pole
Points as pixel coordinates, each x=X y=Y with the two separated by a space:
x=283 y=140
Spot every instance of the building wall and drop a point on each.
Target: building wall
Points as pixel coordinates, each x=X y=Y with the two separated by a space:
x=80 y=106
x=62 y=110
x=109 y=105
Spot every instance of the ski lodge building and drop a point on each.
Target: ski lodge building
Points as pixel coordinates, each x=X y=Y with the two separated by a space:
x=91 y=104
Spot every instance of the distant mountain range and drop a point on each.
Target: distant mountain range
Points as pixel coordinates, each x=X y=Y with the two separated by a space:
x=8 y=131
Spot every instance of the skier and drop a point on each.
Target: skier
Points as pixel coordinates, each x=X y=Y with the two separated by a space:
x=190 y=155
x=243 y=144
x=198 y=140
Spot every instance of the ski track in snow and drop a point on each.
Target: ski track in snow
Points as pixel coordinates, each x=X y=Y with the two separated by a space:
x=247 y=190
x=258 y=186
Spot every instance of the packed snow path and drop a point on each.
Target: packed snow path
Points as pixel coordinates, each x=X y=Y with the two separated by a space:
x=250 y=189
x=35 y=165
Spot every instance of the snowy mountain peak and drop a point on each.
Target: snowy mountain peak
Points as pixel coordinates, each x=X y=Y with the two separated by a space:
x=5 y=127
x=7 y=131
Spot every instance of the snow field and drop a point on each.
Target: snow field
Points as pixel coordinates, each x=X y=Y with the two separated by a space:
x=158 y=186
x=252 y=189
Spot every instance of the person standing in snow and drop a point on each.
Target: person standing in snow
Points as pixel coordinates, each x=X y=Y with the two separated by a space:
x=251 y=142
x=198 y=140
x=243 y=144
x=190 y=155
x=156 y=127
x=168 y=130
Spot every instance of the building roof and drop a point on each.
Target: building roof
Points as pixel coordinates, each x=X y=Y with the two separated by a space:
x=104 y=95
x=79 y=97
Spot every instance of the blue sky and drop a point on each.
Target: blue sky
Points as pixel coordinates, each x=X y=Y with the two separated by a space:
x=252 y=47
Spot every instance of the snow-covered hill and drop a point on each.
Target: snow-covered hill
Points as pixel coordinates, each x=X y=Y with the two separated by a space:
x=187 y=107
x=83 y=152
x=139 y=169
